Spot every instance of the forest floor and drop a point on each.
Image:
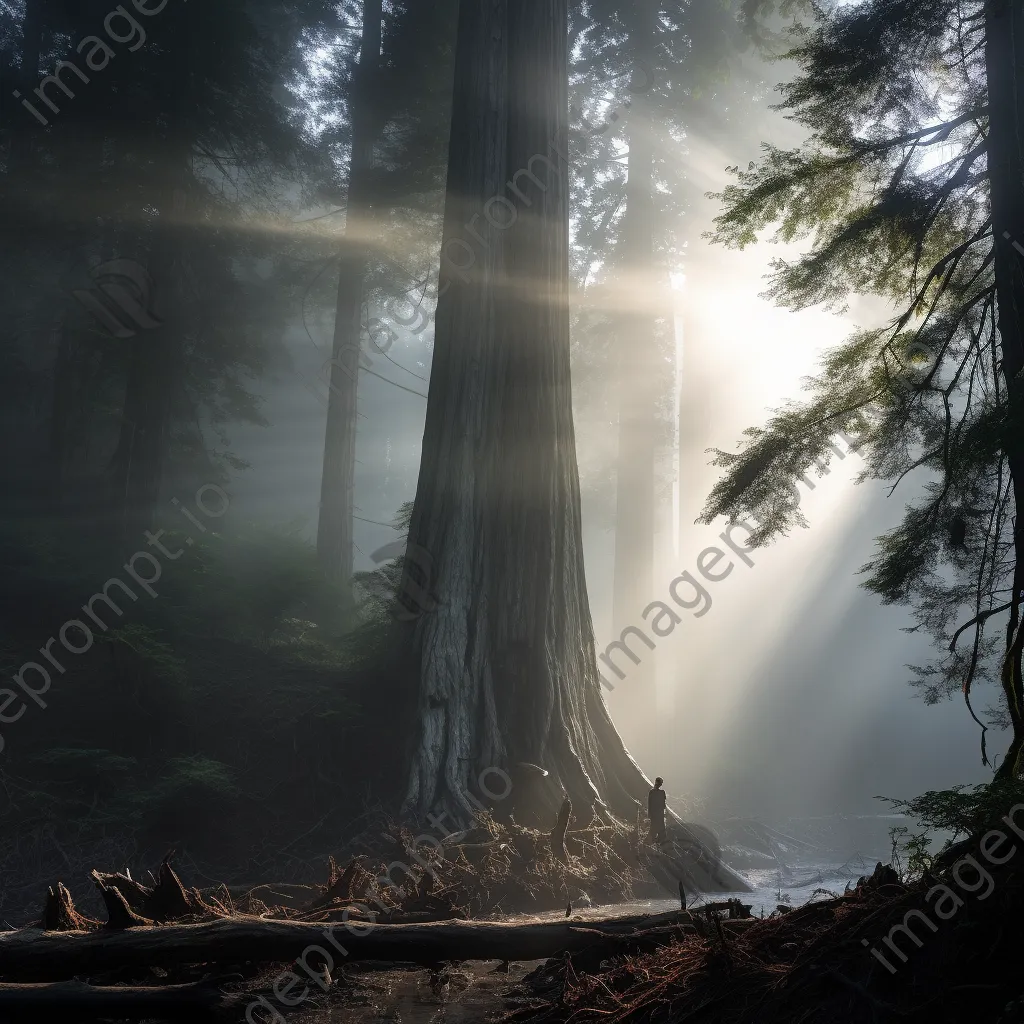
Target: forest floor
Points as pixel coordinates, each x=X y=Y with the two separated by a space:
x=493 y=868
x=490 y=871
x=944 y=949
x=941 y=949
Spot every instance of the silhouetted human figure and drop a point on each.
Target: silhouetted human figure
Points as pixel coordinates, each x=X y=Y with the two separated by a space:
x=656 y=811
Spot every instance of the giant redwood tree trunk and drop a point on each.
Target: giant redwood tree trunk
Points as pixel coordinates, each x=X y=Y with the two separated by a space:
x=507 y=669
x=1004 y=43
x=505 y=662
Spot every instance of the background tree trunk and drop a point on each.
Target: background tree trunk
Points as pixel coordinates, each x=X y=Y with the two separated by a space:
x=334 y=527
x=154 y=372
x=633 y=584
x=1004 y=41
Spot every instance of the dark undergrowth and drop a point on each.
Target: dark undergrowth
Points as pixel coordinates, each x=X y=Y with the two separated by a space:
x=231 y=717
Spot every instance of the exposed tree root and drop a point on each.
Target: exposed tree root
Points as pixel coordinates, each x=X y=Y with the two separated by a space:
x=494 y=868
x=497 y=867
x=561 y=827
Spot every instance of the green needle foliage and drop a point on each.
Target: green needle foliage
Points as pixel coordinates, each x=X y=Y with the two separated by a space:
x=893 y=192
x=962 y=810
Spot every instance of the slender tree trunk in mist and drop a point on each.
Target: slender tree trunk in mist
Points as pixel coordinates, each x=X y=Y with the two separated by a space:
x=154 y=372
x=696 y=394
x=156 y=369
x=684 y=456
x=1004 y=42
x=633 y=585
x=334 y=527
x=80 y=156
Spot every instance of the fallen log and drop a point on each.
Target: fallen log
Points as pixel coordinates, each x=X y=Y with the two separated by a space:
x=37 y=954
x=200 y=1001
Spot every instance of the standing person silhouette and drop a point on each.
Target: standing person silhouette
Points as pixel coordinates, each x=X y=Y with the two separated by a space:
x=656 y=811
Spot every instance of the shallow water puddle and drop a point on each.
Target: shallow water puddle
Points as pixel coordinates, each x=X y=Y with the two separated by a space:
x=471 y=992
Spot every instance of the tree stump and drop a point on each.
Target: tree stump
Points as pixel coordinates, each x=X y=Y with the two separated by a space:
x=60 y=915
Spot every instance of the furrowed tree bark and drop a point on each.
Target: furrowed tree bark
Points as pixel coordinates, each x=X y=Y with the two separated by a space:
x=505 y=664
x=1004 y=42
x=490 y=691
x=334 y=526
x=633 y=583
x=506 y=659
